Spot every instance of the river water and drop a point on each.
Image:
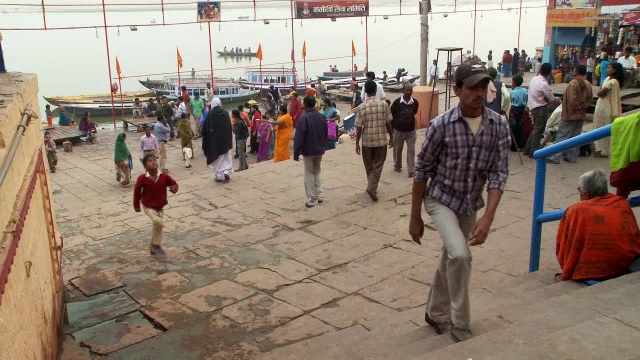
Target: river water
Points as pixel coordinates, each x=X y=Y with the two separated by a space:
x=73 y=62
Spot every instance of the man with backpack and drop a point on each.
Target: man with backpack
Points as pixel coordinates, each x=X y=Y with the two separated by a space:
x=241 y=129
x=404 y=110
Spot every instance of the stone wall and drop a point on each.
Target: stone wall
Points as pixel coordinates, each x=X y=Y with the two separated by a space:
x=31 y=293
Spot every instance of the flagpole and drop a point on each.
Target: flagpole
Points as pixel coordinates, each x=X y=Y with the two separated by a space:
x=366 y=27
x=305 y=73
x=352 y=58
x=178 y=63
x=293 y=52
x=210 y=56
x=260 y=77
x=106 y=39
x=121 y=98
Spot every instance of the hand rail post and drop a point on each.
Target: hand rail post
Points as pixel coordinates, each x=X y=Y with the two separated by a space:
x=538 y=205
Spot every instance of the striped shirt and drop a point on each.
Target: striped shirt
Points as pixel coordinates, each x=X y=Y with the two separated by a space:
x=372 y=116
x=458 y=164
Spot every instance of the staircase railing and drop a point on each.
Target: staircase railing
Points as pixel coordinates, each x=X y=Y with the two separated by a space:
x=540 y=217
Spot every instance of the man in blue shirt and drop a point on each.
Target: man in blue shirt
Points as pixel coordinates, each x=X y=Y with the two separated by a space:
x=161 y=131
x=519 y=99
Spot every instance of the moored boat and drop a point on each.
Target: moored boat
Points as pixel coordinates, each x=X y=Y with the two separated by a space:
x=96 y=98
x=168 y=82
x=279 y=78
x=236 y=54
x=331 y=75
x=224 y=90
x=102 y=109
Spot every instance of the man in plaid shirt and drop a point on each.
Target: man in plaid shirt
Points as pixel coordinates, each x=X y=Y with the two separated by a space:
x=463 y=149
x=373 y=123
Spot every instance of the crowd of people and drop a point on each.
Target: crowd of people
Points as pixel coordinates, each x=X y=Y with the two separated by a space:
x=450 y=191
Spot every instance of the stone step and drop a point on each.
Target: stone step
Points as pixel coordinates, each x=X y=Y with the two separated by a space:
x=429 y=344
x=326 y=346
x=545 y=318
x=616 y=339
x=380 y=340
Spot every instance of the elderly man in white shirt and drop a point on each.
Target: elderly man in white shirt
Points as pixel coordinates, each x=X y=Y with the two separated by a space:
x=379 y=92
x=630 y=66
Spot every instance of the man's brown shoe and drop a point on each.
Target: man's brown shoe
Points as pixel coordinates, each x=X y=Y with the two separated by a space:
x=440 y=328
x=460 y=334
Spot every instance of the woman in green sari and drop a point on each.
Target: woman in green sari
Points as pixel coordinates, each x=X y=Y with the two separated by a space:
x=121 y=158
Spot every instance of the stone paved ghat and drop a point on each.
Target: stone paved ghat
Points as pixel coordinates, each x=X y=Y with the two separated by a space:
x=249 y=269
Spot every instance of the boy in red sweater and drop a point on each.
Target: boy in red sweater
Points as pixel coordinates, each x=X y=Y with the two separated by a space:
x=151 y=191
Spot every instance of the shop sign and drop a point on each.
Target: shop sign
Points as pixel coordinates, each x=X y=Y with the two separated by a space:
x=572 y=18
x=208 y=11
x=317 y=9
x=620 y=2
x=575 y=4
x=630 y=18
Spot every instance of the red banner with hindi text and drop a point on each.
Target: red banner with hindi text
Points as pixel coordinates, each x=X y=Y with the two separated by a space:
x=318 y=9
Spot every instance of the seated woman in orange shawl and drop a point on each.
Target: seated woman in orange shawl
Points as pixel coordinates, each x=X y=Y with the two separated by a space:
x=598 y=237
x=284 y=132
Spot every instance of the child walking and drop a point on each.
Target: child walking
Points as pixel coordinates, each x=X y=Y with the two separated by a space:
x=151 y=191
x=185 y=133
x=50 y=147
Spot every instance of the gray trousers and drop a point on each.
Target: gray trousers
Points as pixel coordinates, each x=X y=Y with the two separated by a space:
x=241 y=150
x=567 y=130
x=312 y=183
x=373 y=158
x=540 y=117
x=449 y=294
x=399 y=138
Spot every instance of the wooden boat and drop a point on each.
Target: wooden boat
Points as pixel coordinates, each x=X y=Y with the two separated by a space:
x=279 y=78
x=101 y=109
x=330 y=75
x=236 y=54
x=224 y=90
x=96 y=98
x=168 y=82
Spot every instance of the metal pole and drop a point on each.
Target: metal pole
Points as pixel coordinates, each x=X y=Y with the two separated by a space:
x=44 y=16
x=424 y=41
x=293 y=52
x=519 y=22
x=366 y=32
x=211 y=56
x=536 y=225
x=106 y=40
x=26 y=117
x=475 y=17
x=305 y=74
x=162 y=4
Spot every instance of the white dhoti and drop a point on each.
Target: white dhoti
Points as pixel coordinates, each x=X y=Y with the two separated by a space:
x=222 y=166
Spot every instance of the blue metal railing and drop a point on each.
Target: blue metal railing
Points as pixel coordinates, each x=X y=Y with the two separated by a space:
x=540 y=217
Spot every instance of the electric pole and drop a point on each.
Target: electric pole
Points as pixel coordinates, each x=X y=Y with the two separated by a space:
x=425 y=8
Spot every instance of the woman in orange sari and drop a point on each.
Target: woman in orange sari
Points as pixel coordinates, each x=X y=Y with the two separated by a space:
x=284 y=132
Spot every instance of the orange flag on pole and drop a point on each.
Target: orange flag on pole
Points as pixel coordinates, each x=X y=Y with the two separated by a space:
x=353 y=48
x=179 y=58
x=304 y=51
x=259 y=53
x=118 y=68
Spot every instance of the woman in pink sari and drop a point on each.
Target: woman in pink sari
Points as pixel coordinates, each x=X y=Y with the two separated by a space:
x=265 y=133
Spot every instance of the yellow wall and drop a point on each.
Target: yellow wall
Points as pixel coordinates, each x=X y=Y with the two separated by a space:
x=31 y=308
